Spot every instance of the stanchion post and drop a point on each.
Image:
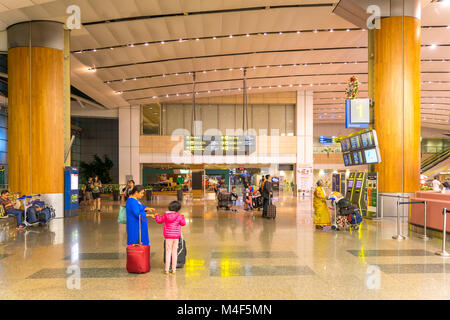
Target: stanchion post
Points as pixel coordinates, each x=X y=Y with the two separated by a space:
x=424 y=235
x=444 y=253
x=398 y=236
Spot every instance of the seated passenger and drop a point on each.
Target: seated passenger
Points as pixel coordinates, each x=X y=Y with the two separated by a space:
x=10 y=210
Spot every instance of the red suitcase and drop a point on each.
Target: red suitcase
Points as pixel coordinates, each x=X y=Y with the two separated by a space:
x=138 y=256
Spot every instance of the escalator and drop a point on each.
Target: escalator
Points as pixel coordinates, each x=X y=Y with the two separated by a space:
x=435 y=160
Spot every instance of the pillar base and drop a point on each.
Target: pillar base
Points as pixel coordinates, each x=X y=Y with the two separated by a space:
x=56 y=200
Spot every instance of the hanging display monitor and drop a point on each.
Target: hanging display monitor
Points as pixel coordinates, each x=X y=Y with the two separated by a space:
x=371 y=156
x=361 y=149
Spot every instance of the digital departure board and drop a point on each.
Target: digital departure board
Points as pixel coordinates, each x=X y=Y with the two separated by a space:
x=220 y=145
x=361 y=149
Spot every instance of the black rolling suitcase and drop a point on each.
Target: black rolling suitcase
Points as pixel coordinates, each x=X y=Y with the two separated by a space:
x=224 y=200
x=181 y=260
x=271 y=210
x=179 y=195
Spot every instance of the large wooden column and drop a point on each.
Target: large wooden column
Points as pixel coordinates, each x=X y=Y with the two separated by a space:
x=397 y=103
x=36 y=110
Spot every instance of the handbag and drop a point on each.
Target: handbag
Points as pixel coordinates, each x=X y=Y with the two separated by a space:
x=122 y=218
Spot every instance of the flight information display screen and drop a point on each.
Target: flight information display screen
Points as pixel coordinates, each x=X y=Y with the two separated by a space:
x=358 y=183
x=350 y=184
x=371 y=155
x=361 y=149
x=220 y=145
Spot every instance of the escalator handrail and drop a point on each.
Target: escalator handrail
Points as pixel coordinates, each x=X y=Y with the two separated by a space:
x=434 y=157
x=440 y=159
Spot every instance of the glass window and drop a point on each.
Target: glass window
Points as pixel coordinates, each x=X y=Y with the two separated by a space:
x=260 y=118
x=290 y=120
x=277 y=120
x=151 y=119
x=227 y=117
x=174 y=117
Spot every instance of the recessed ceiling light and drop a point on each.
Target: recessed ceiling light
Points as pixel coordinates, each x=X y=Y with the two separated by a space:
x=347 y=30
x=265 y=33
x=146 y=44
x=162 y=42
x=247 y=35
x=331 y=30
x=197 y=39
x=231 y=36
x=214 y=38
x=94 y=50
x=315 y=31
x=280 y=32
x=433 y=46
x=298 y=32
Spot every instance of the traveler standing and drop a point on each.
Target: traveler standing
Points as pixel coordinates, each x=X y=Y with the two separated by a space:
x=234 y=199
x=173 y=221
x=321 y=214
x=97 y=184
x=436 y=184
x=266 y=193
x=128 y=188
x=88 y=191
x=135 y=211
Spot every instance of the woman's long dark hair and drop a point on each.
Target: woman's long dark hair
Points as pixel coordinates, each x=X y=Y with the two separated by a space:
x=136 y=189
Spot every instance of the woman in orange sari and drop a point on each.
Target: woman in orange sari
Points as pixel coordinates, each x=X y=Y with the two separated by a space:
x=321 y=214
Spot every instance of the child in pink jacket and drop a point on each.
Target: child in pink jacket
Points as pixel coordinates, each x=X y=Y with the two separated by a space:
x=173 y=221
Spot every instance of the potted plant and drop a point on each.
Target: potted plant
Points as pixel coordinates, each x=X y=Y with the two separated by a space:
x=115 y=192
x=149 y=192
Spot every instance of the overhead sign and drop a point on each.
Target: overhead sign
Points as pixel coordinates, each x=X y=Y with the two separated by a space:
x=357 y=113
x=220 y=145
x=327 y=140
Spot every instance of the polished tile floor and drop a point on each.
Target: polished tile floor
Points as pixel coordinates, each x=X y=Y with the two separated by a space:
x=230 y=256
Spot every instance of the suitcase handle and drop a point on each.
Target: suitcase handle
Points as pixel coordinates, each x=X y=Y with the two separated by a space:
x=139 y=218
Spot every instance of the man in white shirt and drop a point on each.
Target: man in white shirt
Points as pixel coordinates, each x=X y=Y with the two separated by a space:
x=436 y=184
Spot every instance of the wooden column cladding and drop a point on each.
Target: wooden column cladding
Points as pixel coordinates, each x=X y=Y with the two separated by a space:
x=35 y=120
x=397 y=103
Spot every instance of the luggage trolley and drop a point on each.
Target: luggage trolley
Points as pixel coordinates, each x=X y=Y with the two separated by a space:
x=27 y=203
x=345 y=215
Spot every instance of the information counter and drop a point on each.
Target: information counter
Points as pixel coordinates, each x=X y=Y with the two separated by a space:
x=436 y=202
